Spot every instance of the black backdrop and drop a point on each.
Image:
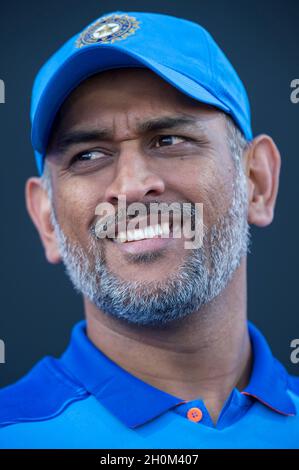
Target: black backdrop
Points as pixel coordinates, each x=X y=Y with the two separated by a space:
x=38 y=305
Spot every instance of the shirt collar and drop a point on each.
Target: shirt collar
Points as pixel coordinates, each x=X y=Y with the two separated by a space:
x=135 y=402
x=269 y=379
x=130 y=399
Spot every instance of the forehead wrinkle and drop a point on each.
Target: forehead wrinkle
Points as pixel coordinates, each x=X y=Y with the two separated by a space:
x=143 y=126
x=121 y=127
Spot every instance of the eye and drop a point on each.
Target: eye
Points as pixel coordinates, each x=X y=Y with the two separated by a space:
x=87 y=156
x=169 y=140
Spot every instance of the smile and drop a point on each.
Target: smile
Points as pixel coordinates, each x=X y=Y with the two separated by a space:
x=149 y=232
x=150 y=238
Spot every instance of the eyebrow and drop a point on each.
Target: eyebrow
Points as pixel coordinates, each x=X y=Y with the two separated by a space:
x=79 y=136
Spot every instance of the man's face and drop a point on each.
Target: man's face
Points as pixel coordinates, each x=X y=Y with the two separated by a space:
x=128 y=133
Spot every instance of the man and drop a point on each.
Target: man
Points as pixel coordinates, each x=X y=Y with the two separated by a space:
x=145 y=108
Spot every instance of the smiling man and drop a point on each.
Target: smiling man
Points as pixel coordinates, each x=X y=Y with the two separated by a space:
x=146 y=109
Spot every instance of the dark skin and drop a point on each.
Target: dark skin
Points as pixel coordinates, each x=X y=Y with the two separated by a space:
x=207 y=354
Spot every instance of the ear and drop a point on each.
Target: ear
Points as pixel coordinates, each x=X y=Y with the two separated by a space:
x=39 y=207
x=262 y=170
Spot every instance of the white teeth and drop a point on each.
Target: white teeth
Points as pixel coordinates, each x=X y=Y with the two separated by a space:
x=150 y=232
x=139 y=234
x=130 y=235
x=122 y=237
x=156 y=230
x=165 y=229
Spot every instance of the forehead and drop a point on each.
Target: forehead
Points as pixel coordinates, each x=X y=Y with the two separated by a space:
x=126 y=90
x=120 y=100
x=140 y=83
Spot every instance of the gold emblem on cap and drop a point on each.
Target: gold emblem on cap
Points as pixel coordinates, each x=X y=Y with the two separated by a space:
x=108 y=29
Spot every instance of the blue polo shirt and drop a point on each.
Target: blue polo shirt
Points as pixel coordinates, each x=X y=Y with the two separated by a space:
x=85 y=400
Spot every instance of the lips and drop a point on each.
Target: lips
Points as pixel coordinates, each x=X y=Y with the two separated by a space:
x=122 y=233
x=146 y=245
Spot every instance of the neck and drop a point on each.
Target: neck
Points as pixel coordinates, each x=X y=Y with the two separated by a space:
x=204 y=356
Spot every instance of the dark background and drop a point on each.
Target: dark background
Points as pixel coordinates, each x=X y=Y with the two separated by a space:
x=261 y=38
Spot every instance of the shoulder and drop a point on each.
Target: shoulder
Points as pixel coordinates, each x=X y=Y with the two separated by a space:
x=41 y=394
x=293 y=384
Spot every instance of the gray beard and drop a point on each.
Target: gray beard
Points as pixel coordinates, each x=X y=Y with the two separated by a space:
x=205 y=272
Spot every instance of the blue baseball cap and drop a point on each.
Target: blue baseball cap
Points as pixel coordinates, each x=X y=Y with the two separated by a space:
x=181 y=52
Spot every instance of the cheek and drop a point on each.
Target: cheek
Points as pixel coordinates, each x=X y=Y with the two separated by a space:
x=209 y=185
x=75 y=207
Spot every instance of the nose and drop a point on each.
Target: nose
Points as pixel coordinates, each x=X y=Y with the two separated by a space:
x=134 y=179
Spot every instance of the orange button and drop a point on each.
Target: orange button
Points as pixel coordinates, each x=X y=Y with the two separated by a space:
x=194 y=414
